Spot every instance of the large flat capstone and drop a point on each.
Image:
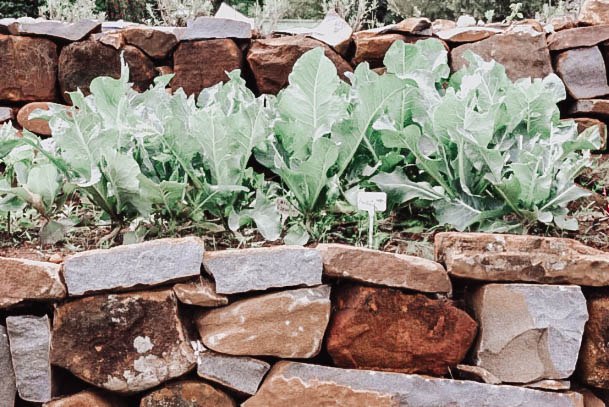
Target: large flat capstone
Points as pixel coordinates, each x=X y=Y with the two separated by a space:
x=30 y=342
x=133 y=266
x=382 y=268
x=521 y=258
x=302 y=385
x=237 y=271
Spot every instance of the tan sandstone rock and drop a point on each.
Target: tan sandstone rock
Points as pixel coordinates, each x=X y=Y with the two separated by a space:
x=124 y=343
x=201 y=293
x=287 y=324
x=27 y=280
x=188 y=393
x=593 y=12
x=29 y=69
x=521 y=258
x=386 y=329
x=202 y=64
x=578 y=38
x=87 y=398
x=528 y=332
x=303 y=385
x=156 y=42
x=523 y=54
x=382 y=268
x=596 y=107
x=271 y=60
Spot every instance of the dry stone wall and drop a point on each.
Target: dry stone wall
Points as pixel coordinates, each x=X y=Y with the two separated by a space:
x=42 y=60
x=490 y=320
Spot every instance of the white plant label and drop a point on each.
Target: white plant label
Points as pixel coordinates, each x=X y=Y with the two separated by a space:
x=371 y=202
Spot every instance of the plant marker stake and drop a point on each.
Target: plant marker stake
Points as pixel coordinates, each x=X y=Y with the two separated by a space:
x=371 y=202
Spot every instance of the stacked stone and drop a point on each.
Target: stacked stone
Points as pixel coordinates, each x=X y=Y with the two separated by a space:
x=43 y=60
x=167 y=323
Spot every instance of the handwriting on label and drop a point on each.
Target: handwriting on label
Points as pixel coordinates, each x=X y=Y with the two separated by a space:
x=372 y=201
x=285 y=208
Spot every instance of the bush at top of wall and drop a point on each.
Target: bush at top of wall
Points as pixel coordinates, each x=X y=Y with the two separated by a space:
x=487 y=153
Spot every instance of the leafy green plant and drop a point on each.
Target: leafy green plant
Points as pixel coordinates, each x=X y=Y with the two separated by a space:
x=486 y=148
x=70 y=10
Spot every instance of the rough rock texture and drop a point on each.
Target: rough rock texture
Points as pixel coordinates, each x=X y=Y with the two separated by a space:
x=187 y=394
x=57 y=30
x=476 y=373
x=371 y=47
x=583 y=72
x=302 y=385
x=271 y=60
x=382 y=268
x=522 y=258
x=386 y=329
x=81 y=62
x=467 y=34
x=529 y=332
x=8 y=387
x=204 y=28
x=594 y=12
x=596 y=107
x=333 y=31
x=87 y=398
x=523 y=55
x=127 y=267
x=30 y=341
x=156 y=42
x=578 y=38
x=593 y=365
x=237 y=271
x=114 y=39
x=201 y=293
x=6 y=114
x=240 y=373
x=29 y=69
x=27 y=280
x=38 y=126
x=201 y=64
x=288 y=324
x=124 y=343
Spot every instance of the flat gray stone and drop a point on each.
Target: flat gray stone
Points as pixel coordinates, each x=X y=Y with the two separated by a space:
x=299 y=384
x=238 y=271
x=528 y=332
x=56 y=29
x=30 y=341
x=206 y=28
x=8 y=387
x=240 y=373
x=133 y=266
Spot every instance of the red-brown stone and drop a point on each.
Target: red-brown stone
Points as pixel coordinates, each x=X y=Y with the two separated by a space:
x=81 y=62
x=201 y=64
x=371 y=47
x=187 y=394
x=386 y=329
x=272 y=59
x=29 y=69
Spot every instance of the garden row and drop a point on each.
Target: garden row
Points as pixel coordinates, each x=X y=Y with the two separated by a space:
x=484 y=151
x=496 y=320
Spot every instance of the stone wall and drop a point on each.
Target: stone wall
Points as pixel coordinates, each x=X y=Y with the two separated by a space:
x=43 y=60
x=492 y=320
